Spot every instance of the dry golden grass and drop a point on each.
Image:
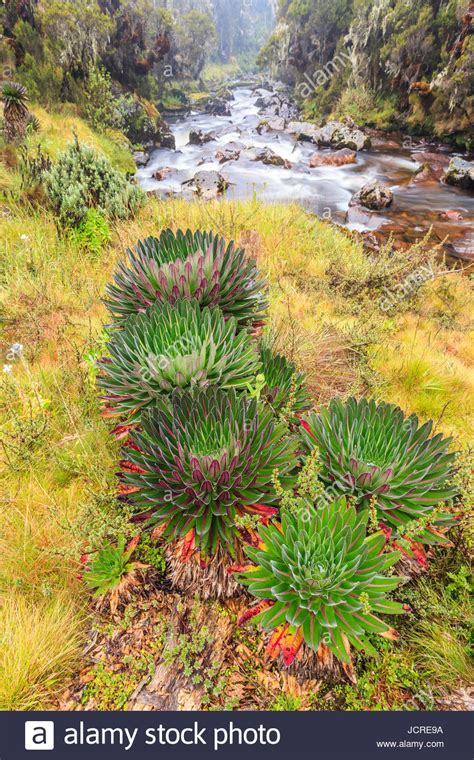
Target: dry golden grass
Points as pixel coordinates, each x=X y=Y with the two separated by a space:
x=39 y=645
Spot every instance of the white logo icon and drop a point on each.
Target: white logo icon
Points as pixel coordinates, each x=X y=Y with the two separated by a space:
x=39 y=734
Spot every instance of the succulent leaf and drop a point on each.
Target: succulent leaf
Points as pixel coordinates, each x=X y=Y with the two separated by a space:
x=172 y=347
x=322 y=578
x=206 y=458
x=373 y=451
x=188 y=265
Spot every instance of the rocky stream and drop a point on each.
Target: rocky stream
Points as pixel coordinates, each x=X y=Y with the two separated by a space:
x=250 y=142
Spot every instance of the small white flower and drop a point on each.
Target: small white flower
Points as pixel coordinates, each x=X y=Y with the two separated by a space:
x=24 y=237
x=7 y=368
x=15 y=350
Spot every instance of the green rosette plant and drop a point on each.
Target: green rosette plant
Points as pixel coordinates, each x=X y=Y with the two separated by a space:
x=382 y=458
x=188 y=265
x=203 y=462
x=321 y=580
x=172 y=347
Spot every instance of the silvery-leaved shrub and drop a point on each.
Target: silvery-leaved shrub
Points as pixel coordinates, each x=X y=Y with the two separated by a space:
x=80 y=179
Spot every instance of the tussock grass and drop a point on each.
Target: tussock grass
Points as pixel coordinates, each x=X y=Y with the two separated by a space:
x=39 y=644
x=441 y=654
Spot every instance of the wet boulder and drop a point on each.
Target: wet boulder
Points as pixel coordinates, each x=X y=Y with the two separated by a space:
x=450 y=215
x=230 y=152
x=163 y=173
x=303 y=131
x=342 y=134
x=460 y=173
x=268 y=157
x=373 y=196
x=273 y=124
x=141 y=158
x=198 y=137
x=166 y=138
x=218 y=107
x=337 y=158
x=207 y=184
x=432 y=165
x=276 y=105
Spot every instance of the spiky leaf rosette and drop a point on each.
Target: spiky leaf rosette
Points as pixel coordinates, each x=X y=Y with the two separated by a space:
x=172 y=347
x=374 y=452
x=322 y=579
x=15 y=110
x=285 y=388
x=188 y=265
x=206 y=459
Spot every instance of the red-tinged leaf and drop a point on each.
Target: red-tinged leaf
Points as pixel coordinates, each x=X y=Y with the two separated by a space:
x=141 y=518
x=109 y=412
x=188 y=546
x=129 y=444
x=291 y=645
x=124 y=489
x=253 y=612
x=130 y=467
x=133 y=543
x=418 y=552
x=386 y=531
x=261 y=509
x=348 y=667
x=157 y=532
x=121 y=431
x=275 y=644
x=241 y=568
x=307 y=427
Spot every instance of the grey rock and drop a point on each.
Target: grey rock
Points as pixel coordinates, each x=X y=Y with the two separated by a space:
x=207 y=184
x=141 y=158
x=373 y=196
x=198 y=137
x=218 y=107
x=461 y=173
x=267 y=157
x=338 y=134
x=274 y=124
x=304 y=131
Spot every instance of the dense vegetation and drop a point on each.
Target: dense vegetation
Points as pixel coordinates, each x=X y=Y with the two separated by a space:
x=229 y=342
x=387 y=63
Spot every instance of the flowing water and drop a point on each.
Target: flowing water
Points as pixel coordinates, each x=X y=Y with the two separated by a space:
x=326 y=190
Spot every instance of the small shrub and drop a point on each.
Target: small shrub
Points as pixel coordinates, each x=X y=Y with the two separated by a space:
x=93 y=233
x=33 y=167
x=80 y=180
x=110 y=571
x=100 y=106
